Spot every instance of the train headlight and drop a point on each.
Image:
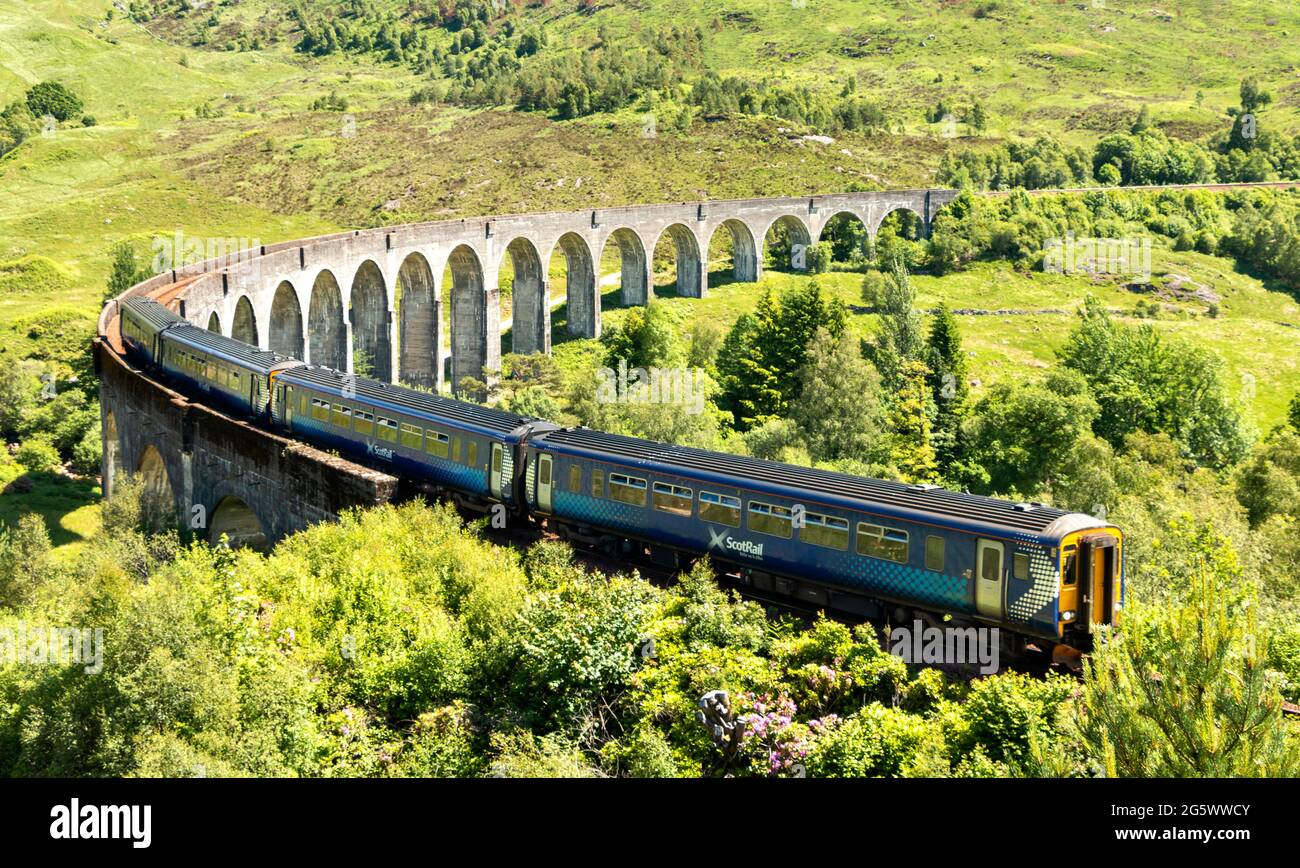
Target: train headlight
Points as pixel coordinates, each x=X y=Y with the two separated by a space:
x=1067 y=615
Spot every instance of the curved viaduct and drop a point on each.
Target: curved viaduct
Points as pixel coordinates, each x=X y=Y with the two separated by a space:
x=395 y=303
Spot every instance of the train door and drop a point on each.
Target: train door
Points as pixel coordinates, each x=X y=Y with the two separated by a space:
x=494 y=473
x=1099 y=559
x=544 y=483
x=989 y=557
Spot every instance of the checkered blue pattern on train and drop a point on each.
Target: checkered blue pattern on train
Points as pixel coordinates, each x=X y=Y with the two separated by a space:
x=899 y=581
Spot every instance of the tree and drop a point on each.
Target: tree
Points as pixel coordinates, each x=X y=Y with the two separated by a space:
x=838 y=408
x=1023 y=434
x=1269 y=483
x=759 y=362
x=1145 y=381
x=1293 y=412
x=911 y=449
x=899 y=338
x=1143 y=121
x=947 y=381
x=52 y=98
x=1185 y=690
x=126 y=270
x=646 y=339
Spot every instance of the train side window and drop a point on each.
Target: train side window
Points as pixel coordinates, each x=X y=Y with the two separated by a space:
x=720 y=508
x=341 y=416
x=597 y=483
x=886 y=543
x=1020 y=566
x=825 y=530
x=455 y=449
x=543 y=469
x=1069 y=576
x=387 y=430
x=991 y=563
x=365 y=422
x=471 y=453
x=435 y=443
x=575 y=478
x=672 y=498
x=411 y=436
x=627 y=489
x=320 y=410
x=770 y=519
x=934 y=552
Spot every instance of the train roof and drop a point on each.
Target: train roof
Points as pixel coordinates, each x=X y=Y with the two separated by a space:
x=1022 y=517
x=410 y=400
x=228 y=348
x=152 y=312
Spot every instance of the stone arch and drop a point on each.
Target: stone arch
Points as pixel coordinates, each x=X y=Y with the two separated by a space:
x=530 y=309
x=372 y=326
x=327 y=333
x=745 y=266
x=157 y=501
x=240 y=525
x=419 y=324
x=782 y=240
x=469 y=327
x=214 y=322
x=581 y=294
x=244 y=326
x=285 y=333
x=688 y=265
x=911 y=217
x=634 y=265
x=846 y=232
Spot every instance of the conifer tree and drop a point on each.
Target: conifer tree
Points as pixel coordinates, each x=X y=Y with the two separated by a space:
x=1183 y=690
x=947 y=380
x=912 y=451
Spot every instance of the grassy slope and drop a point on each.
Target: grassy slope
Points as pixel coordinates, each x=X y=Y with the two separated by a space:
x=270 y=169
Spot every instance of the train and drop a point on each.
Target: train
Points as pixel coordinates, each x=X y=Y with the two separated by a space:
x=873 y=548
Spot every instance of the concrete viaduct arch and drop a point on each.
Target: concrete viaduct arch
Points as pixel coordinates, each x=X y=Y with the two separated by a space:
x=387 y=292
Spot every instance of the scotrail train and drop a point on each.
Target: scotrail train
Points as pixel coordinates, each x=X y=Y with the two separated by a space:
x=866 y=546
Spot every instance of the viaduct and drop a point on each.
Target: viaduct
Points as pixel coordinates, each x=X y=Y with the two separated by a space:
x=397 y=303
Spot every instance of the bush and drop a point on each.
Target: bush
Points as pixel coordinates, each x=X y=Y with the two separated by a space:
x=874 y=743
x=818 y=257
x=87 y=453
x=38 y=455
x=52 y=98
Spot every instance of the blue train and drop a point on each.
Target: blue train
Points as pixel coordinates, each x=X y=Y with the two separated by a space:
x=873 y=547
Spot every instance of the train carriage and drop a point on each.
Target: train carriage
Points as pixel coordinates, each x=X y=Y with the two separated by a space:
x=463 y=448
x=857 y=544
x=233 y=374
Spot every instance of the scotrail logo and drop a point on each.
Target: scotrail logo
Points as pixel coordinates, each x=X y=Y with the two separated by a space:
x=726 y=542
x=376 y=451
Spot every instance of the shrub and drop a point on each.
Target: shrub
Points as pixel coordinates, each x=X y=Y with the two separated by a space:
x=38 y=455
x=52 y=98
